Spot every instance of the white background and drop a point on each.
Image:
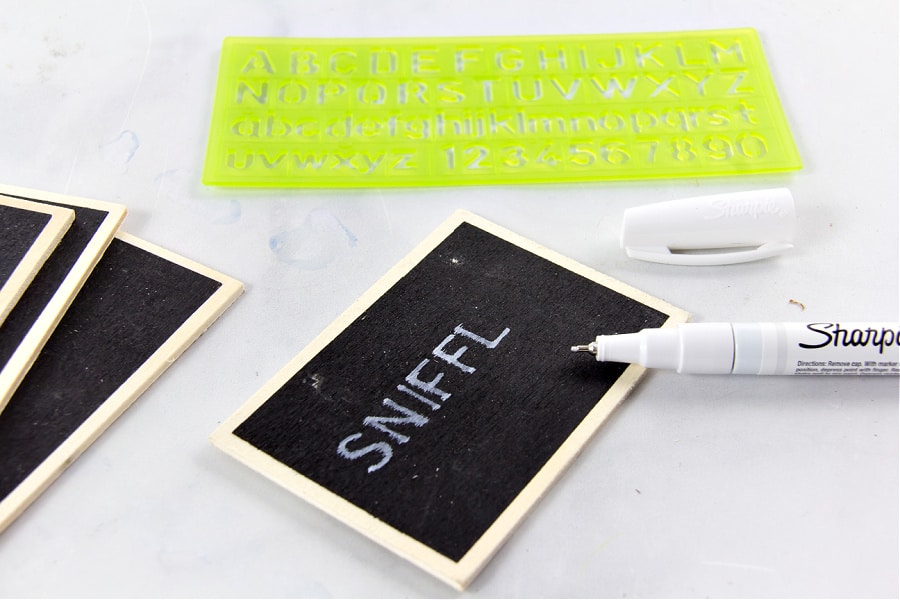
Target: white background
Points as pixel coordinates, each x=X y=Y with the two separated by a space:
x=697 y=486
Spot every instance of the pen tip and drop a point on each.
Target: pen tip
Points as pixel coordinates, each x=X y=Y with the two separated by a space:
x=583 y=348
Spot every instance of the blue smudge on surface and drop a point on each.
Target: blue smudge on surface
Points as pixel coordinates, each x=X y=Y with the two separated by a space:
x=231 y=213
x=122 y=149
x=314 y=245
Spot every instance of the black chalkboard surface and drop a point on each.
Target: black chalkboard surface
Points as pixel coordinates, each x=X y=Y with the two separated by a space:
x=33 y=318
x=29 y=231
x=19 y=230
x=140 y=308
x=436 y=410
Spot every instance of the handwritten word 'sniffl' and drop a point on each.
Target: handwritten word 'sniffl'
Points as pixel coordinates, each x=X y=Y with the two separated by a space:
x=418 y=388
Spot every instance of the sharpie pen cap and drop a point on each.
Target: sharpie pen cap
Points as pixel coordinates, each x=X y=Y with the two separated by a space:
x=720 y=229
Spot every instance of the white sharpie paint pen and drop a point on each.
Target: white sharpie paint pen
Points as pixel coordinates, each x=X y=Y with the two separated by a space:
x=758 y=348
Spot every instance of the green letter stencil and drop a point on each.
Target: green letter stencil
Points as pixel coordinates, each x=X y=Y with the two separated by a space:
x=536 y=109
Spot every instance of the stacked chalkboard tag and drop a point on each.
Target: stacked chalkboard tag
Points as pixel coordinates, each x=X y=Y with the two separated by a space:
x=29 y=231
x=94 y=317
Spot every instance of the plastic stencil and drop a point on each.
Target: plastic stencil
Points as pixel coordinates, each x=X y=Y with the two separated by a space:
x=446 y=111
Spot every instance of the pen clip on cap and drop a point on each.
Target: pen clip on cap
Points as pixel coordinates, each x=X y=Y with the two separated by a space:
x=732 y=228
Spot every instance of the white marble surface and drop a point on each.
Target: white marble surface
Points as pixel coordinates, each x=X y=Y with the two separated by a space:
x=698 y=486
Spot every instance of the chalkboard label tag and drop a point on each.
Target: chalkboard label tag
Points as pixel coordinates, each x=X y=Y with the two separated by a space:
x=140 y=309
x=435 y=412
x=29 y=231
x=36 y=314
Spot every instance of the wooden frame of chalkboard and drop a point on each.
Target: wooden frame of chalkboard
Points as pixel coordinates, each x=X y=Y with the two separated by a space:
x=438 y=408
x=140 y=309
x=29 y=231
x=36 y=314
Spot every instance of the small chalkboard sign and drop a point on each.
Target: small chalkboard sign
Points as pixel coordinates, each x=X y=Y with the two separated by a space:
x=33 y=318
x=29 y=231
x=441 y=405
x=139 y=310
